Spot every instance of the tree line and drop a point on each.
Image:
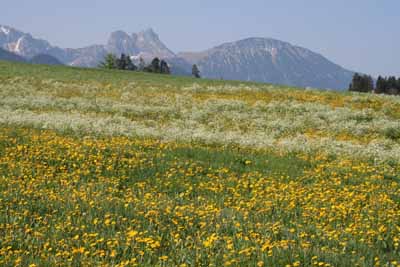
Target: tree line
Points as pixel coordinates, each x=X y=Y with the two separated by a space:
x=383 y=85
x=124 y=62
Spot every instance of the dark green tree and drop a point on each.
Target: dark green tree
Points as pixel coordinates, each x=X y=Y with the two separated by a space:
x=380 y=85
x=155 y=65
x=362 y=83
x=355 y=84
x=164 y=68
x=391 y=86
x=129 y=64
x=110 y=62
x=121 y=62
x=196 y=71
x=398 y=86
x=369 y=84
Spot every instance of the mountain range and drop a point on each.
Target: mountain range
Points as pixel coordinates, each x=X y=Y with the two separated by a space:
x=38 y=59
x=253 y=59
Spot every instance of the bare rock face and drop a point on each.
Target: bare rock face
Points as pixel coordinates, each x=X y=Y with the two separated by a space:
x=150 y=45
x=144 y=44
x=20 y=43
x=122 y=43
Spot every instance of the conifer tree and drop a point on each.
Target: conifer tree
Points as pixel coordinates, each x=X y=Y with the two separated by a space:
x=380 y=85
x=398 y=86
x=121 y=62
x=164 y=68
x=155 y=65
x=110 y=62
x=391 y=86
x=362 y=83
x=355 y=83
x=369 y=84
x=129 y=64
x=196 y=71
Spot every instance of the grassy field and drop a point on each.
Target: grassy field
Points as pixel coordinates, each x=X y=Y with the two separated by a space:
x=109 y=168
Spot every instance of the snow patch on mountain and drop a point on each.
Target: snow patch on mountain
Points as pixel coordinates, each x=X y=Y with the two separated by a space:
x=5 y=30
x=17 y=47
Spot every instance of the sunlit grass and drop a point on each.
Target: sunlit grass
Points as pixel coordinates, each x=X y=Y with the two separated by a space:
x=113 y=169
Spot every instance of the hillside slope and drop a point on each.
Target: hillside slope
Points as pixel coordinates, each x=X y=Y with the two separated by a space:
x=117 y=168
x=255 y=115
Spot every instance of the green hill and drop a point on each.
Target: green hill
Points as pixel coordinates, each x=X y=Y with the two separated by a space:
x=121 y=168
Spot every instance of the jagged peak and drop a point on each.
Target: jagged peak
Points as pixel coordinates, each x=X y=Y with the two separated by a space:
x=7 y=30
x=148 y=33
x=119 y=34
x=149 y=30
x=4 y=29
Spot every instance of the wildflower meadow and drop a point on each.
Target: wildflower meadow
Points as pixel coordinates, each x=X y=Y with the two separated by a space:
x=105 y=168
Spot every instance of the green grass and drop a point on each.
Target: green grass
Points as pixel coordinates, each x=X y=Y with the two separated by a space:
x=65 y=73
x=76 y=196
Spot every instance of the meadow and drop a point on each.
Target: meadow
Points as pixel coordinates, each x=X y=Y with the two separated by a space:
x=108 y=168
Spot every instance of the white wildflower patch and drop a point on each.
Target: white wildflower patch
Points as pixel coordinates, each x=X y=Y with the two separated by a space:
x=280 y=119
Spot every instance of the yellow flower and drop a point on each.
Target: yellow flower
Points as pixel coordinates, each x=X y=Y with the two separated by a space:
x=78 y=250
x=163 y=258
x=132 y=233
x=210 y=240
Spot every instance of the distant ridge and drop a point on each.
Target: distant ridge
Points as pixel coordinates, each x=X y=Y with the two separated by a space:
x=251 y=59
x=270 y=60
x=45 y=59
x=144 y=44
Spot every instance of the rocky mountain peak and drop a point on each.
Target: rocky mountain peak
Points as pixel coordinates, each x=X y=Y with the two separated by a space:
x=5 y=30
x=145 y=44
x=150 y=45
x=8 y=35
x=121 y=43
x=148 y=35
x=118 y=35
x=272 y=61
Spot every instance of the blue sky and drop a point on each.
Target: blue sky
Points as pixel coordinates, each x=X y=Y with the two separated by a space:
x=362 y=35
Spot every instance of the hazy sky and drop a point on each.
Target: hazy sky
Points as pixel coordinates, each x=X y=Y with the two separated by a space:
x=361 y=35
